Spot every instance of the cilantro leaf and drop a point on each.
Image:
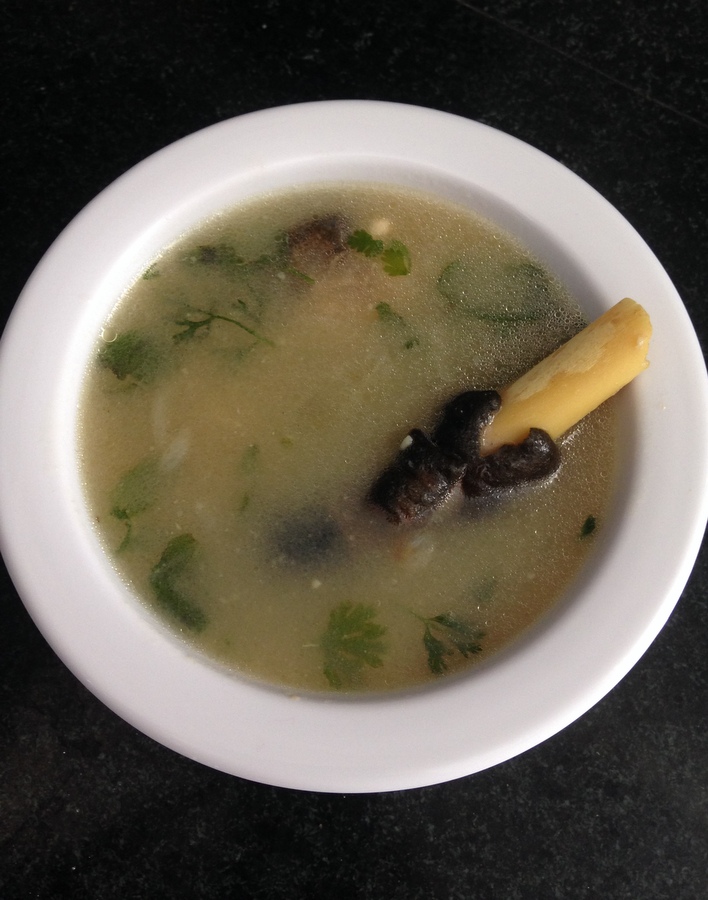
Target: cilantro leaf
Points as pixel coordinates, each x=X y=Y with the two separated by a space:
x=387 y=314
x=396 y=259
x=174 y=561
x=395 y=256
x=223 y=255
x=291 y=270
x=464 y=636
x=131 y=354
x=446 y=634
x=191 y=326
x=256 y=276
x=465 y=287
x=363 y=242
x=351 y=641
x=134 y=493
x=436 y=651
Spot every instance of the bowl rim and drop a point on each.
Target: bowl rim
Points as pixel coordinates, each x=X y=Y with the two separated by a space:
x=379 y=742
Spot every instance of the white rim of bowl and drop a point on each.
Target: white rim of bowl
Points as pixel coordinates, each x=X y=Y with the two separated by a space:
x=376 y=743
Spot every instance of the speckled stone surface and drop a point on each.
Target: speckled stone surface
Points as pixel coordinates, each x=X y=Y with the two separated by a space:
x=615 y=806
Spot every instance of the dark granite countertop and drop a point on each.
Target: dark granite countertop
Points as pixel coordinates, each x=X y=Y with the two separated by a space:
x=616 y=805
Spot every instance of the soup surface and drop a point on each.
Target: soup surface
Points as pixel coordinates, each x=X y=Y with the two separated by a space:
x=254 y=382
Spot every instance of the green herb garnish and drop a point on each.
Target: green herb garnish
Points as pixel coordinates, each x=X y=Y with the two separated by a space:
x=291 y=270
x=225 y=258
x=191 y=326
x=255 y=276
x=131 y=354
x=465 y=288
x=223 y=255
x=395 y=256
x=363 y=242
x=151 y=272
x=396 y=259
x=588 y=527
x=444 y=635
x=389 y=315
x=164 y=578
x=134 y=493
x=351 y=641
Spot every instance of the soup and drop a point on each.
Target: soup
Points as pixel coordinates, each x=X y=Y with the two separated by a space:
x=254 y=382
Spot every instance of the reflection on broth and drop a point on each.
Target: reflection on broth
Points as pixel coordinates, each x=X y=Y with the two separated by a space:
x=252 y=385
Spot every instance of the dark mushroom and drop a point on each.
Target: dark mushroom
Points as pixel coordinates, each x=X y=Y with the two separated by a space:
x=420 y=479
x=511 y=465
x=314 y=244
x=462 y=422
x=426 y=471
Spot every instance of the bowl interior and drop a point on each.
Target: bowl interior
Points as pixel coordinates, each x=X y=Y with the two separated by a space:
x=168 y=690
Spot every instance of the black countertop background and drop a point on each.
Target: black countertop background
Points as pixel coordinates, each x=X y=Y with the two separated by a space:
x=615 y=806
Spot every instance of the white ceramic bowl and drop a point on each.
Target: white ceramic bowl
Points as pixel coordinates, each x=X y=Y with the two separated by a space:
x=524 y=695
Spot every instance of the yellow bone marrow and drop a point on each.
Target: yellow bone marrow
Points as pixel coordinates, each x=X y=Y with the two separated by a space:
x=575 y=379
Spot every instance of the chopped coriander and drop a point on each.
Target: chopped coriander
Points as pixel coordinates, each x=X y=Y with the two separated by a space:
x=164 y=576
x=387 y=314
x=255 y=276
x=215 y=255
x=134 y=493
x=436 y=651
x=291 y=270
x=395 y=256
x=151 y=272
x=191 y=326
x=351 y=641
x=444 y=634
x=131 y=355
x=275 y=259
x=451 y=284
x=225 y=258
x=396 y=259
x=588 y=527
x=363 y=242
x=464 y=289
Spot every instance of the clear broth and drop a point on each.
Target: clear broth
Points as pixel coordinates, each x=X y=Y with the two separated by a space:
x=271 y=392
